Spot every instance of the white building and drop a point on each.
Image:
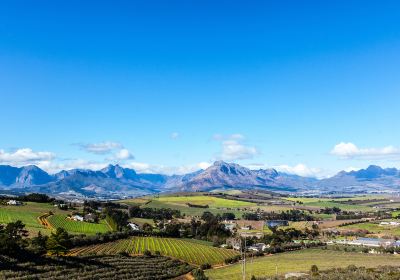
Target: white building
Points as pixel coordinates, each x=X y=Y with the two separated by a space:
x=258 y=247
x=77 y=218
x=134 y=227
x=13 y=202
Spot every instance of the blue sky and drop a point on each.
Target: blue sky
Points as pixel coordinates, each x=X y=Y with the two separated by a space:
x=309 y=87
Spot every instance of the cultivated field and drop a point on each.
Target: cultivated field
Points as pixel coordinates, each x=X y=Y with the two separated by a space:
x=75 y=227
x=28 y=214
x=301 y=261
x=376 y=229
x=191 y=252
x=94 y=267
x=191 y=211
x=214 y=202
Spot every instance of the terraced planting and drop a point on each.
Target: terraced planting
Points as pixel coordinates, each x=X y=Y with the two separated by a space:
x=301 y=261
x=75 y=227
x=191 y=252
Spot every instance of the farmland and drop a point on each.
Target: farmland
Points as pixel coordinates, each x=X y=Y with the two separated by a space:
x=28 y=214
x=301 y=261
x=191 y=252
x=94 y=267
x=341 y=203
x=190 y=211
x=376 y=229
x=75 y=227
x=214 y=202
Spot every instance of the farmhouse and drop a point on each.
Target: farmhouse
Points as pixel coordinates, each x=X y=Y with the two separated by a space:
x=14 y=202
x=258 y=247
x=77 y=218
x=134 y=226
x=91 y=218
x=235 y=243
x=230 y=226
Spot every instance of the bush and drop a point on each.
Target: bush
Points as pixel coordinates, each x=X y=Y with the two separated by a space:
x=205 y=266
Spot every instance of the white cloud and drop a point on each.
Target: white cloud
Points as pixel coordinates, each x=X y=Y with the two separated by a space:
x=351 y=151
x=142 y=167
x=101 y=148
x=301 y=170
x=25 y=156
x=56 y=166
x=123 y=154
x=174 y=135
x=233 y=148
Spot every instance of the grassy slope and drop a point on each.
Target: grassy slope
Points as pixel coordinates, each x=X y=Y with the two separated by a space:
x=75 y=227
x=28 y=214
x=301 y=261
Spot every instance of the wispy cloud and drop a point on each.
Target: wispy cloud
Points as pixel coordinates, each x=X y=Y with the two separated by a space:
x=233 y=147
x=174 y=135
x=100 y=148
x=351 y=151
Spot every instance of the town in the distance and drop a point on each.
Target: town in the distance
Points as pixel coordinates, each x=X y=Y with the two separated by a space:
x=224 y=222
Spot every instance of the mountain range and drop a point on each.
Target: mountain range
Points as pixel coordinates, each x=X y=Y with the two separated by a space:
x=116 y=181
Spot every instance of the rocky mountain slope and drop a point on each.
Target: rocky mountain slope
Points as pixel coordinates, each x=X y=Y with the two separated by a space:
x=115 y=180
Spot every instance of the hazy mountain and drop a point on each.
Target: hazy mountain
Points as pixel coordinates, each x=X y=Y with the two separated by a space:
x=373 y=178
x=115 y=180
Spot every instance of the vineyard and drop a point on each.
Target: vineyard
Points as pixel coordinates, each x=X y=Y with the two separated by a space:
x=191 y=252
x=77 y=227
x=94 y=267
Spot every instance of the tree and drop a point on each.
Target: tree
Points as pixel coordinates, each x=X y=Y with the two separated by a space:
x=12 y=238
x=58 y=242
x=228 y=216
x=38 y=244
x=147 y=227
x=314 y=270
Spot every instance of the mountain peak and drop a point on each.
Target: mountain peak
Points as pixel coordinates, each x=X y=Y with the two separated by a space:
x=116 y=171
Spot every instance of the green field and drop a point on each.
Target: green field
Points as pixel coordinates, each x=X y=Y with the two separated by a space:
x=375 y=228
x=330 y=203
x=28 y=214
x=189 y=251
x=301 y=261
x=142 y=221
x=75 y=227
x=213 y=202
x=191 y=211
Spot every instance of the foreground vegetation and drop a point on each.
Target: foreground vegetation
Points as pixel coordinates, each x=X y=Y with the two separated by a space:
x=349 y=273
x=301 y=261
x=94 y=267
x=191 y=252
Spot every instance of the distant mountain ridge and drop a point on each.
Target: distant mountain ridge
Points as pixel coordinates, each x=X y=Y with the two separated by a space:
x=118 y=181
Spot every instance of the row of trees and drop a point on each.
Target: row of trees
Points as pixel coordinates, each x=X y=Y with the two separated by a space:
x=153 y=213
x=293 y=215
